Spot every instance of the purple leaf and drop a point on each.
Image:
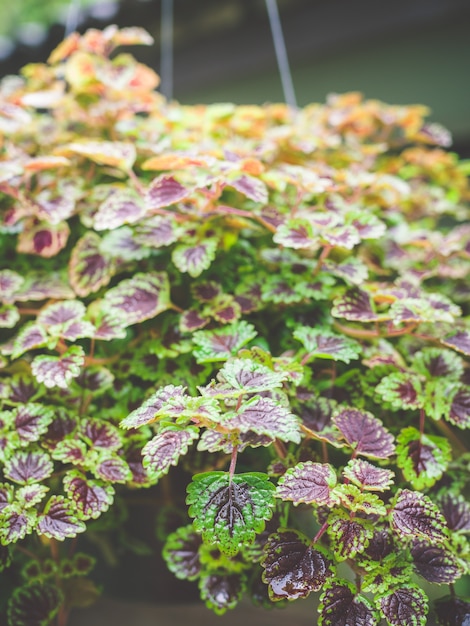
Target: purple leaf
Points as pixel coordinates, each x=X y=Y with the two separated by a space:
x=459 y=413
x=141 y=297
x=58 y=520
x=6 y=495
x=380 y=545
x=35 y=604
x=43 y=239
x=365 y=433
x=91 y=497
x=221 y=591
x=406 y=606
x=165 y=191
x=31 y=421
x=89 y=269
x=191 y=320
x=251 y=187
x=459 y=341
x=327 y=345
x=70 y=451
x=121 y=245
x=30 y=495
x=452 y=611
x=16 y=524
x=55 y=208
x=355 y=305
x=437 y=362
x=166 y=448
x=422 y=458
x=123 y=206
x=22 y=389
x=248 y=376
x=100 y=434
x=195 y=258
x=308 y=482
x=341 y=236
x=157 y=231
x=367 y=476
x=341 y=606
x=113 y=470
x=293 y=568
x=415 y=515
x=30 y=336
x=181 y=553
x=9 y=315
x=28 y=467
x=61 y=313
x=41 y=286
x=349 y=536
x=435 y=563
x=456 y=511
x=353 y=270
x=10 y=282
x=264 y=416
x=402 y=390
x=297 y=234
x=206 y=291
x=58 y=371
x=148 y=411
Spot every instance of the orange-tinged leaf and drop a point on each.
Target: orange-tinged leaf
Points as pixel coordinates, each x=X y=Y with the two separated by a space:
x=39 y=163
x=173 y=162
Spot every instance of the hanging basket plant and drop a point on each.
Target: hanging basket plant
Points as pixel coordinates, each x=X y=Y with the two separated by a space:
x=273 y=300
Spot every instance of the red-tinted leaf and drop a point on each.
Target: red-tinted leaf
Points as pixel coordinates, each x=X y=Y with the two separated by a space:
x=44 y=239
x=368 y=476
x=89 y=269
x=406 y=606
x=308 y=482
x=58 y=371
x=293 y=568
x=113 y=470
x=100 y=434
x=124 y=206
x=28 y=467
x=22 y=389
x=31 y=421
x=365 y=433
x=165 y=191
x=264 y=416
x=341 y=606
x=91 y=497
x=58 y=520
x=460 y=341
x=166 y=448
x=435 y=563
x=415 y=515
x=191 y=320
x=297 y=234
x=355 y=305
x=157 y=231
x=221 y=592
x=16 y=523
x=141 y=297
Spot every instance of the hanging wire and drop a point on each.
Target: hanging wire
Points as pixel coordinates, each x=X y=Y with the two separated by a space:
x=166 y=49
x=73 y=17
x=281 y=53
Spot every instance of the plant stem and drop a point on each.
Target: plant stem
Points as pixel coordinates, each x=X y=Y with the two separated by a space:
x=320 y=533
x=280 y=449
x=233 y=462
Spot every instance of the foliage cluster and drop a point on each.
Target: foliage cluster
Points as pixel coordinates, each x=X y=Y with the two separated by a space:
x=275 y=301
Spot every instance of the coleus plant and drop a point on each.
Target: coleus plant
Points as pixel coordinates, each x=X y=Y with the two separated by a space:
x=275 y=301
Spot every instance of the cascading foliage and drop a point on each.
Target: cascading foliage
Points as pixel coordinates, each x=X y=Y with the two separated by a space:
x=276 y=301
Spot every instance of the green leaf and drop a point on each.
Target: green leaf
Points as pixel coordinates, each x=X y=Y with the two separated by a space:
x=58 y=520
x=36 y=604
x=348 y=535
x=140 y=298
x=324 y=344
x=296 y=233
x=89 y=268
x=222 y=343
x=230 y=512
x=422 y=458
x=9 y=315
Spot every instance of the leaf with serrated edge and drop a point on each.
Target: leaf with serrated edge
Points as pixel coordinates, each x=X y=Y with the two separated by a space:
x=422 y=458
x=141 y=297
x=456 y=511
x=265 y=417
x=165 y=191
x=355 y=305
x=114 y=153
x=324 y=344
x=221 y=591
x=28 y=467
x=308 y=482
x=89 y=269
x=365 y=433
x=148 y=411
x=195 y=258
x=368 y=476
x=124 y=206
x=58 y=521
x=459 y=341
x=34 y=604
x=181 y=553
x=436 y=564
x=220 y=344
x=402 y=390
x=31 y=421
x=91 y=497
x=348 y=535
x=415 y=515
x=293 y=568
x=341 y=605
x=58 y=371
x=16 y=523
x=230 y=512
x=166 y=448
x=405 y=606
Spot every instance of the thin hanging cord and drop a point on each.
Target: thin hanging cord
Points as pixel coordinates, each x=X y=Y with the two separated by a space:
x=166 y=49
x=281 y=53
x=73 y=16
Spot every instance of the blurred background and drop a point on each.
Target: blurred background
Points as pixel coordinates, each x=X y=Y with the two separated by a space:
x=405 y=52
